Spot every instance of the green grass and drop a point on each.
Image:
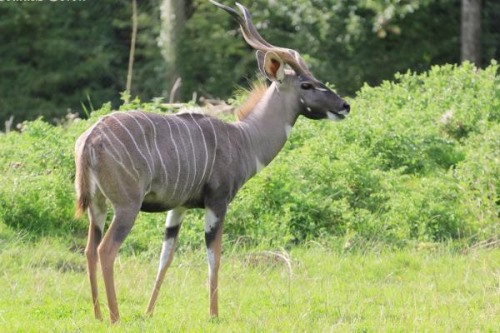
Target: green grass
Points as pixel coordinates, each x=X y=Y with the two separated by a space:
x=309 y=289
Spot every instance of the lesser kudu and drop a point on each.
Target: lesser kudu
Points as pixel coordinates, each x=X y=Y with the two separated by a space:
x=138 y=161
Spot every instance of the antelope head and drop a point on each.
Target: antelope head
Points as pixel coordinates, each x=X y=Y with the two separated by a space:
x=316 y=100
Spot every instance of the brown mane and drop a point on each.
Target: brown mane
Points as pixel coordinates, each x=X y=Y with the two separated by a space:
x=254 y=96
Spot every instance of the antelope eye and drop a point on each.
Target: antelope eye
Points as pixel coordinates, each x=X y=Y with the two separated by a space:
x=306 y=85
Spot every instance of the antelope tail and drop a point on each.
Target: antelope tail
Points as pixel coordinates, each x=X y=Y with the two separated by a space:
x=82 y=186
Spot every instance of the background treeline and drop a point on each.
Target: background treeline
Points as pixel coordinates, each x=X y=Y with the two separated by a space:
x=57 y=57
x=418 y=161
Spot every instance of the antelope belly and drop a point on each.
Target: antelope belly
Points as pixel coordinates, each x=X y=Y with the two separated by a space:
x=154 y=207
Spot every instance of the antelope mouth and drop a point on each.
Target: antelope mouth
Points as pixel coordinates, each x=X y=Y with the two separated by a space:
x=337 y=116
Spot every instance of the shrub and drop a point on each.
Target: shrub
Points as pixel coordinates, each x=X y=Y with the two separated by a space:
x=418 y=160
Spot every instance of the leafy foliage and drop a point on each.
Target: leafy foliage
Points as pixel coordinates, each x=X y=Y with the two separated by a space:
x=344 y=42
x=418 y=160
x=60 y=55
x=57 y=56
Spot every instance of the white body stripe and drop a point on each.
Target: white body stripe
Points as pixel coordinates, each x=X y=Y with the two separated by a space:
x=206 y=151
x=155 y=140
x=146 y=142
x=184 y=158
x=124 y=149
x=195 y=167
x=135 y=144
x=215 y=148
x=116 y=157
x=172 y=194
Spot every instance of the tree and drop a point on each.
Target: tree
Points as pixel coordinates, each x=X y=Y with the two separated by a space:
x=471 y=31
x=173 y=18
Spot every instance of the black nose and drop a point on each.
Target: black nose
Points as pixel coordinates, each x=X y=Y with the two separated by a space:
x=346 y=106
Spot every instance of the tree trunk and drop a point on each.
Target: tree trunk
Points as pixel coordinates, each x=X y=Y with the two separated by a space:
x=471 y=31
x=132 y=47
x=173 y=18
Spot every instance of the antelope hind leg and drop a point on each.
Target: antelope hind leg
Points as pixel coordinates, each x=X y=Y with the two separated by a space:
x=97 y=217
x=123 y=221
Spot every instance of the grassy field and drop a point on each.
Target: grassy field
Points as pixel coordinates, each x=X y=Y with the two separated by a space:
x=308 y=289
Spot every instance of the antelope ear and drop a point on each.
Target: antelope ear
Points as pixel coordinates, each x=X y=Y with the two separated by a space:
x=271 y=65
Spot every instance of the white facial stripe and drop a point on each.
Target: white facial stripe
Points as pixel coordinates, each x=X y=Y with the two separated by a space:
x=321 y=89
x=309 y=109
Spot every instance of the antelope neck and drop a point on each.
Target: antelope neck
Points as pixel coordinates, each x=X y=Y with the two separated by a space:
x=268 y=125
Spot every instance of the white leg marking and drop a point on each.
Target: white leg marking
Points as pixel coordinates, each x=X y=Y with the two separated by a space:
x=211 y=261
x=210 y=220
x=166 y=249
x=135 y=144
x=174 y=219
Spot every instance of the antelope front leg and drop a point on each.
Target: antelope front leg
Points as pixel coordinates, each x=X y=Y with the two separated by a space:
x=214 y=220
x=172 y=226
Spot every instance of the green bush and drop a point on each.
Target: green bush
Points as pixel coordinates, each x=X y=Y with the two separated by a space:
x=418 y=160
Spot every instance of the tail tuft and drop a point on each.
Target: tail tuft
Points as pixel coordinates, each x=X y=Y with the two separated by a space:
x=82 y=203
x=82 y=182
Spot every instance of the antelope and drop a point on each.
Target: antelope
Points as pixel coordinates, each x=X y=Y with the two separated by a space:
x=139 y=161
